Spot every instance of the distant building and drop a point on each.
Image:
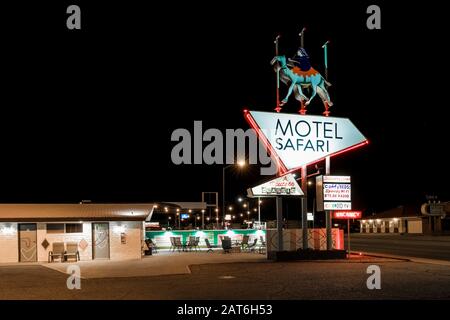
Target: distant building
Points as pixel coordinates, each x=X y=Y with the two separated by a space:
x=403 y=219
x=409 y=219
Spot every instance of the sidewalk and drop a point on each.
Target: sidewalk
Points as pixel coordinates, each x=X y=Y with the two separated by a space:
x=443 y=238
x=159 y=264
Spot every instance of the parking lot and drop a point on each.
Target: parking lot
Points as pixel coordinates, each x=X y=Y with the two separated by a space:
x=256 y=279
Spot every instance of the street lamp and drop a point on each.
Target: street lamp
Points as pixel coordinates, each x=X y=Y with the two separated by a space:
x=241 y=164
x=203 y=218
x=217 y=216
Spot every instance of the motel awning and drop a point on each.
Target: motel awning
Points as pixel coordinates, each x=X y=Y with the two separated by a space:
x=75 y=212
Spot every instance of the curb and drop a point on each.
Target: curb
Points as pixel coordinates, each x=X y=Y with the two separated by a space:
x=405 y=258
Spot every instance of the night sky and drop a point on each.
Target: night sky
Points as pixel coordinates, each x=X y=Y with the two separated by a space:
x=89 y=114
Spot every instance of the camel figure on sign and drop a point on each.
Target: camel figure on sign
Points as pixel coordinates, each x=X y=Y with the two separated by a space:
x=297 y=80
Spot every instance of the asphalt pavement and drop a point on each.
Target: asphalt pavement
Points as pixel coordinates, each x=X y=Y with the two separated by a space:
x=263 y=280
x=420 y=246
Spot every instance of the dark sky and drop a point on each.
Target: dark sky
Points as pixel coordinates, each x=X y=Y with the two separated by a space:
x=88 y=114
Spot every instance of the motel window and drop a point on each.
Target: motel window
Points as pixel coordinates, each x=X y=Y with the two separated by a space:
x=55 y=227
x=74 y=228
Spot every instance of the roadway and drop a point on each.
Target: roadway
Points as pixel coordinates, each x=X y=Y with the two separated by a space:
x=419 y=246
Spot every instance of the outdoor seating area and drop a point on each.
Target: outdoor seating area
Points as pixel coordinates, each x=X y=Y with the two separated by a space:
x=227 y=244
x=191 y=244
x=236 y=246
x=64 y=252
x=205 y=241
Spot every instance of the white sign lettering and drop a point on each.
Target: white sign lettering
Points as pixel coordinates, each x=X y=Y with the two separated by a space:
x=301 y=140
x=337 y=205
x=337 y=192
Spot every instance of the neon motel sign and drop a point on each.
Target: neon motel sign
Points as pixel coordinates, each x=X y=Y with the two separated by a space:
x=347 y=214
x=282 y=186
x=298 y=140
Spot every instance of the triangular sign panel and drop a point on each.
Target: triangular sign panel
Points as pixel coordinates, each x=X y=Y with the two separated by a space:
x=298 y=140
x=281 y=186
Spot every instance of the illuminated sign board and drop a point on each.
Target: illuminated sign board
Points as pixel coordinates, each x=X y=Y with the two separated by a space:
x=309 y=216
x=297 y=140
x=333 y=193
x=337 y=192
x=336 y=179
x=347 y=214
x=332 y=205
x=184 y=216
x=281 y=186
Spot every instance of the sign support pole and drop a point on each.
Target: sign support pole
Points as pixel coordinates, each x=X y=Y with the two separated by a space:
x=277 y=108
x=203 y=219
x=348 y=237
x=259 y=211
x=302 y=36
x=304 y=208
x=279 y=205
x=328 y=220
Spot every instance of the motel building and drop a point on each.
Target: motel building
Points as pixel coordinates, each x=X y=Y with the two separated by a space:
x=403 y=219
x=410 y=219
x=98 y=231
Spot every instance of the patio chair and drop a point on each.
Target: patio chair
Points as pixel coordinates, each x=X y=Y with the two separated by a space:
x=262 y=245
x=56 y=252
x=178 y=244
x=244 y=243
x=154 y=246
x=190 y=243
x=252 y=246
x=151 y=245
x=226 y=245
x=208 y=245
x=72 y=251
x=172 y=244
x=196 y=242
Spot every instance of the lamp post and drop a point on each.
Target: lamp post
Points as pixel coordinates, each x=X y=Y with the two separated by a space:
x=259 y=211
x=203 y=219
x=241 y=164
x=217 y=216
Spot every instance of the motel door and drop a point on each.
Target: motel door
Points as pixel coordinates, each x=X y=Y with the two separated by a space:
x=27 y=242
x=100 y=239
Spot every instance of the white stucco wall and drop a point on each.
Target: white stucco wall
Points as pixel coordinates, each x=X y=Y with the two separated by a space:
x=415 y=226
x=42 y=234
x=132 y=249
x=9 y=242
